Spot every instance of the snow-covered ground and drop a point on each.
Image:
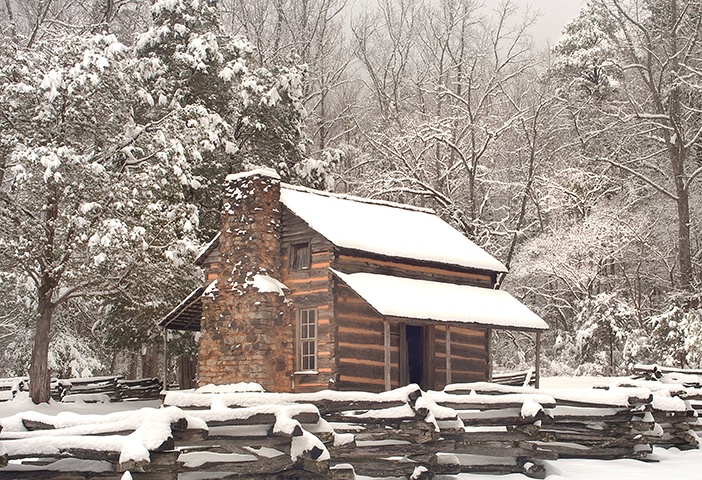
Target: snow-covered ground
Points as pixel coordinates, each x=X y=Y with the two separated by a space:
x=672 y=465
x=668 y=464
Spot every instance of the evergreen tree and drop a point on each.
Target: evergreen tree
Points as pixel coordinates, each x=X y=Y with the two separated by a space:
x=229 y=113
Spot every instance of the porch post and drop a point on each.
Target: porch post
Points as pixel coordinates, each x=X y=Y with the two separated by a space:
x=386 y=351
x=448 y=354
x=538 y=359
x=488 y=341
x=165 y=358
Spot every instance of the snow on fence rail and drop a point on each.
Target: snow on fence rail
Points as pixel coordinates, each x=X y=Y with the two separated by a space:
x=86 y=444
x=689 y=381
x=620 y=419
x=393 y=433
x=476 y=427
x=93 y=389
x=523 y=378
x=587 y=423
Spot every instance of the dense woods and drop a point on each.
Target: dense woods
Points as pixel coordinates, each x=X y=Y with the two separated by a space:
x=578 y=167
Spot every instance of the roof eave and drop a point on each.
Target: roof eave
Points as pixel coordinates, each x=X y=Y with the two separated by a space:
x=458 y=323
x=209 y=248
x=182 y=306
x=449 y=266
x=432 y=321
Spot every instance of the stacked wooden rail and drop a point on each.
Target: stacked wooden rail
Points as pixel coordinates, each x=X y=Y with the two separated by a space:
x=500 y=433
x=688 y=377
x=523 y=378
x=477 y=427
x=686 y=382
x=622 y=419
x=586 y=424
x=400 y=433
x=115 y=388
x=93 y=389
x=690 y=381
x=671 y=409
x=96 y=446
x=9 y=387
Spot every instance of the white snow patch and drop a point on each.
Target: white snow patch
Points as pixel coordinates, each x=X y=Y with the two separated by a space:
x=266 y=284
x=424 y=299
x=264 y=172
x=241 y=387
x=386 y=228
x=418 y=471
x=197 y=459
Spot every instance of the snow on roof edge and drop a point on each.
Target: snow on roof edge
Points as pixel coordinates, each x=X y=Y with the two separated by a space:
x=263 y=171
x=432 y=263
x=385 y=228
x=355 y=198
x=204 y=253
x=348 y=280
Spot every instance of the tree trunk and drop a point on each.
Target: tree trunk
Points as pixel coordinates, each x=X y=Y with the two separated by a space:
x=39 y=377
x=684 y=242
x=13 y=24
x=678 y=153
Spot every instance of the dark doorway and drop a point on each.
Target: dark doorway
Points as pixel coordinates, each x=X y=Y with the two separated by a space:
x=415 y=354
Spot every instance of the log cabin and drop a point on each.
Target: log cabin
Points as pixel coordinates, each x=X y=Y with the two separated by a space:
x=308 y=290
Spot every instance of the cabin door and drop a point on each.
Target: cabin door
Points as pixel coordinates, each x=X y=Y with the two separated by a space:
x=417 y=355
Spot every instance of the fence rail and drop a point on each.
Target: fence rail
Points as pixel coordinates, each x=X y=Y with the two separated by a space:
x=93 y=389
x=477 y=427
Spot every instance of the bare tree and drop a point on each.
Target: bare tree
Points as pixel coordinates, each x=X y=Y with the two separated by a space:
x=30 y=21
x=309 y=32
x=645 y=77
x=456 y=96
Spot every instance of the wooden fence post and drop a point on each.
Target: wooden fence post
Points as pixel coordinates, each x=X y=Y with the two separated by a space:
x=538 y=360
x=448 y=354
x=386 y=351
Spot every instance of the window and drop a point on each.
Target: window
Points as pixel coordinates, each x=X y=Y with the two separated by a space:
x=300 y=256
x=307 y=321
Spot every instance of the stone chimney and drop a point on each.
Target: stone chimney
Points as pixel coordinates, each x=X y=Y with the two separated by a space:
x=244 y=337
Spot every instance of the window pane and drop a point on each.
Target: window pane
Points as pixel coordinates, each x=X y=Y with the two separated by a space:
x=300 y=256
x=307 y=340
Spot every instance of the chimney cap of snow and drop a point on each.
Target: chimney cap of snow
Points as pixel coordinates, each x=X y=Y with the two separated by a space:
x=263 y=171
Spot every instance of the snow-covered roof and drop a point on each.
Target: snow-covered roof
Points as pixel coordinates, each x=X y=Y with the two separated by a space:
x=386 y=228
x=444 y=302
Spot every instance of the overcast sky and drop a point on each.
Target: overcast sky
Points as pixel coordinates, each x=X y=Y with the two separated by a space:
x=547 y=31
x=554 y=15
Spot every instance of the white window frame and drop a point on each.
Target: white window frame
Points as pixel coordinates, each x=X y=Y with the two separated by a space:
x=307 y=321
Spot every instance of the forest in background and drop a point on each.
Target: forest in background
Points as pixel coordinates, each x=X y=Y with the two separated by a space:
x=576 y=166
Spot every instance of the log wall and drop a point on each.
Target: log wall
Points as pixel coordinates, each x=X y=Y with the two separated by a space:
x=360 y=362
x=360 y=349
x=350 y=262
x=310 y=288
x=361 y=328
x=469 y=355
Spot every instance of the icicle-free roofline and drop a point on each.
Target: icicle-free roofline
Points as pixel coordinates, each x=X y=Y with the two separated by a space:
x=379 y=227
x=183 y=306
x=428 y=300
x=355 y=198
x=263 y=171
x=388 y=229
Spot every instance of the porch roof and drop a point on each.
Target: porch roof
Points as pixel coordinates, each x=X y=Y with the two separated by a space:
x=186 y=316
x=442 y=302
